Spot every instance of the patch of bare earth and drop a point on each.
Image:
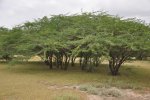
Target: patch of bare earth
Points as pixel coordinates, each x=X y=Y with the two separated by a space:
x=127 y=94
x=124 y=94
x=94 y=97
x=134 y=95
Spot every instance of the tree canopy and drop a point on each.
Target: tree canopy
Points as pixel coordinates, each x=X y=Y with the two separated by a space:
x=61 y=39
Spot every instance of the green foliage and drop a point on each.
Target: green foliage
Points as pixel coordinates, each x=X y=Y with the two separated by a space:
x=89 y=89
x=114 y=92
x=88 y=36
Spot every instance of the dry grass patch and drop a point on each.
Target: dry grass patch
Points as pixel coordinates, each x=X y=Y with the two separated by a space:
x=30 y=81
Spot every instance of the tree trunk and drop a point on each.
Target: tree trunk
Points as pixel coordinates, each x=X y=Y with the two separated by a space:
x=73 y=61
x=114 y=69
x=117 y=58
x=91 y=67
x=50 y=61
x=85 y=61
x=80 y=61
x=114 y=65
x=67 y=59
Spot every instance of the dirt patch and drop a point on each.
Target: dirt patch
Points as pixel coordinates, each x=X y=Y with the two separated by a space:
x=103 y=93
x=133 y=95
x=108 y=93
x=94 y=97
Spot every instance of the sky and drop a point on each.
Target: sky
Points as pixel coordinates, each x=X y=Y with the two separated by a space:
x=15 y=12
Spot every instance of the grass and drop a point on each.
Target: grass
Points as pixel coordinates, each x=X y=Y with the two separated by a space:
x=30 y=81
x=67 y=96
x=114 y=92
x=89 y=89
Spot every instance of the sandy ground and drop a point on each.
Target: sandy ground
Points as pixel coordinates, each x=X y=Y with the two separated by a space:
x=126 y=94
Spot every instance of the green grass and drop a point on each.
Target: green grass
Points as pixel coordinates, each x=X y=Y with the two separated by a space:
x=66 y=96
x=30 y=81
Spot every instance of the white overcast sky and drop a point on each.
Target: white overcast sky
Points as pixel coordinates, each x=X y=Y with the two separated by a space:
x=14 y=12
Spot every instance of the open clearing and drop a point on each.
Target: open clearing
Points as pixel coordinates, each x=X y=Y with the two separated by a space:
x=33 y=81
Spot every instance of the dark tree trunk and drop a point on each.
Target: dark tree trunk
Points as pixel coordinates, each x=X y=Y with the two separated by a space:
x=91 y=67
x=96 y=61
x=117 y=58
x=84 y=64
x=140 y=57
x=61 y=61
x=67 y=60
x=57 y=61
x=50 y=60
x=113 y=68
x=115 y=63
x=73 y=61
x=80 y=61
x=46 y=62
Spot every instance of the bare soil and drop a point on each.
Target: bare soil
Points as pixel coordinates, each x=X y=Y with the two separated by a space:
x=127 y=94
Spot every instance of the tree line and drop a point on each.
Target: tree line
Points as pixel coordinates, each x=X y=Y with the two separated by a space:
x=62 y=39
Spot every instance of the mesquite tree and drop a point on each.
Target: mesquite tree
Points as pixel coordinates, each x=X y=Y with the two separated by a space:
x=61 y=39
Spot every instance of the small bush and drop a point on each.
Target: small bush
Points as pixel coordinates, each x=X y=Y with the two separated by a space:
x=100 y=85
x=84 y=87
x=114 y=92
x=90 y=89
x=93 y=90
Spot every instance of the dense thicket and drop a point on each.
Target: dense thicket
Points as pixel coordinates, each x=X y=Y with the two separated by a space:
x=65 y=39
